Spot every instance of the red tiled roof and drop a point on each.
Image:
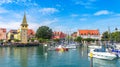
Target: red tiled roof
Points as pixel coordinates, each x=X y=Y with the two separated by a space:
x=90 y=32
x=74 y=34
x=58 y=35
x=30 y=32
x=4 y=29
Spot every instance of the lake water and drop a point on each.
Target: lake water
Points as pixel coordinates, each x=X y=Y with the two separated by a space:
x=37 y=57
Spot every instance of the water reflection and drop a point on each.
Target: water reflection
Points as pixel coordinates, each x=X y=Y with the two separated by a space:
x=104 y=63
x=38 y=57
x=17 y=56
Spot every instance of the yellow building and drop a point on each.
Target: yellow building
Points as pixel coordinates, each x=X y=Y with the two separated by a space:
x=21 y=33
x=12 y=34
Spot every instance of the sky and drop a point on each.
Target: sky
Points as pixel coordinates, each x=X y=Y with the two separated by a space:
x=61 y=15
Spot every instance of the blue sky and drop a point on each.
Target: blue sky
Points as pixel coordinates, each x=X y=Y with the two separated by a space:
x=61 y=15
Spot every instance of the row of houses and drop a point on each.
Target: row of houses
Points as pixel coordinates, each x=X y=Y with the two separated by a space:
x=94 y=34
x=14 y=34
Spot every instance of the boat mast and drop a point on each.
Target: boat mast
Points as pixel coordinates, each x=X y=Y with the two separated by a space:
x=109 y=33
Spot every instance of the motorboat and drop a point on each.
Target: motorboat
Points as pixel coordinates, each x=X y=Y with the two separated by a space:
x=102 y=54
x=116 y=51
x=117 y=46
x=94 y=47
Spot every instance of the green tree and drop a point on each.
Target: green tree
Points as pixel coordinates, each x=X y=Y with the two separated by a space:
x=16 y=40
x=44 y=32
x=78 y=39
x=106 y=36
x=56 y=40
x=1 y=40
x=89 y=39
x=115 y=36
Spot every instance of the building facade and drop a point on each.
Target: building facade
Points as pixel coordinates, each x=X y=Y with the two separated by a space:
x=2 y=34
x=74 y=35
x=30 y=33
x=16 y=34
x=94 y=34
x=58 y=35
x=12 y=34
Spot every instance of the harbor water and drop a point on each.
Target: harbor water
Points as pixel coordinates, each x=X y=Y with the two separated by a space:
x=38 y=57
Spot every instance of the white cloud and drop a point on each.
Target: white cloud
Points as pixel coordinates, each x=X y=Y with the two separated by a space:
x=16 y=25
x=74 y=15
x=11 y=25
x=2 y=10
x=83 y=19
x=47 y=11
x=87 y=4
x=48 y=22
x=82 y=3
x=102 y=12
x=33 y=26
x=20 y=2
x=7 y=1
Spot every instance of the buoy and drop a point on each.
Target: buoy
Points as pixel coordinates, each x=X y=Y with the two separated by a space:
x=91 y=54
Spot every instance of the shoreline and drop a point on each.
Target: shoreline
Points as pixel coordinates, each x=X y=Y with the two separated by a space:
x=21 y=45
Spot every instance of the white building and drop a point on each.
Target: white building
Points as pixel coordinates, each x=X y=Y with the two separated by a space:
x=94 y=34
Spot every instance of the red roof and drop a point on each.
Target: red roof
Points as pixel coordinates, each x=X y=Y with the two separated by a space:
x=58 y=35
x=90 y=32
x=4 y=29
x=31 y=32
x=74 y=34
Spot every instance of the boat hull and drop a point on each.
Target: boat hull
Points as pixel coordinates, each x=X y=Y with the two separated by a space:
x=103 y=55
x=61 y=49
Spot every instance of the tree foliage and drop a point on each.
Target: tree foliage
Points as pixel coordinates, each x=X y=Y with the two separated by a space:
x=89 y=39
x=106 y=36
x=78 y=39
x=16 y=40
x=1 y=40
x=44 y=32
x=56 y=40
x=114 y=36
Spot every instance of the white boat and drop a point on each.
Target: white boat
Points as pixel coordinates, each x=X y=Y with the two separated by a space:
x=117 y=46
x=71 y=46
x=94 y=47
x=102 y=55
x=116 y=51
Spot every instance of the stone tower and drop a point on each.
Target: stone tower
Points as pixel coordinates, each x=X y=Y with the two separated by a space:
x=24 y=29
